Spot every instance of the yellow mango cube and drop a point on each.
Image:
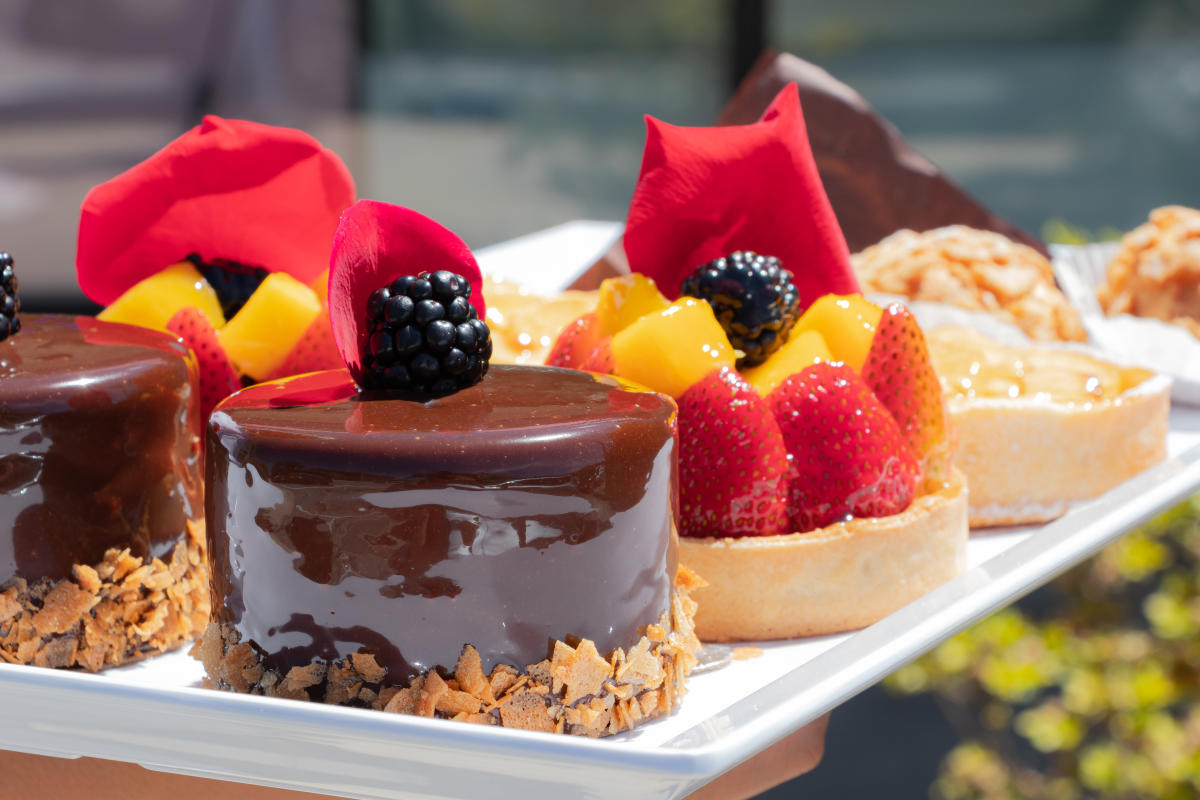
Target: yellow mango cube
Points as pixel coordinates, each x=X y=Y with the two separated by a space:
x=801 y=350
x=847 y=323
x=152 y=301
x=672 y=349
x=264 y=332
x=625 y=300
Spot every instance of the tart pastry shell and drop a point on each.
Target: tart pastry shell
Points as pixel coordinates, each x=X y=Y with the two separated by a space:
x=838 y=578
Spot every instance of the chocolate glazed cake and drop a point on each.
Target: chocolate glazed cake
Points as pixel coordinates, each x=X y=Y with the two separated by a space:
x=101 y=540
x=520 y=531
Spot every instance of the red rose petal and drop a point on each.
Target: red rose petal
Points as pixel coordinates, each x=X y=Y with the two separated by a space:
x=705 y=192
x=248 y=192
x=374 y=244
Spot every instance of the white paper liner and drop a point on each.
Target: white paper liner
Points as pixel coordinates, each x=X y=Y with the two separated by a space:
x=1141 y=341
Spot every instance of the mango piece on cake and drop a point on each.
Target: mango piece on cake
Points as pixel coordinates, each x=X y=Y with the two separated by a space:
x=672 y=350
x=153 y=301
x=261 y=335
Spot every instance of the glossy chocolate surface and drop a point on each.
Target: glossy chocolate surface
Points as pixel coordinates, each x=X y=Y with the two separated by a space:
x=536 y=505
x=875 y=181
x=98 y=445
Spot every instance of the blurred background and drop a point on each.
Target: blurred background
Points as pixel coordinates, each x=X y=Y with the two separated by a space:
x=502 y=119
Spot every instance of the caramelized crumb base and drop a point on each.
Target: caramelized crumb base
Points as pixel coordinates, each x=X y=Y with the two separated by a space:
x=576 y=691
x=112 y=613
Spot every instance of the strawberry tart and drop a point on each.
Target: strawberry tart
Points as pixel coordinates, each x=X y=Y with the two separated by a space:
x=428 y=534
x=817 y=492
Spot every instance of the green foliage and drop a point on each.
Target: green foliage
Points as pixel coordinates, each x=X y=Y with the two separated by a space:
x=1094 y=694
x=1059 y=231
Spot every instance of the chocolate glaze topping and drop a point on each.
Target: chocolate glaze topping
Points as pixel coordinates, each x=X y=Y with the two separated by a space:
x=98 y=445
x=536 y=505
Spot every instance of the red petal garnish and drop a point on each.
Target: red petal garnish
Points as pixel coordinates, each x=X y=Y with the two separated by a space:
x=243 y=191
x=705 y=192
x=374 y=244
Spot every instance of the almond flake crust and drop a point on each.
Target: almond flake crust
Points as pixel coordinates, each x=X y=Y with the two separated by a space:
x=576 y=691
x=115 y=612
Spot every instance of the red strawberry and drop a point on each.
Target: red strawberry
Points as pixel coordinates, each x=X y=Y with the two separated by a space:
x=315 y=351
x=601 y=358
x=732 y=465
x=218 y=378
x=900 y=374
x=575 y=343
x=847 y=457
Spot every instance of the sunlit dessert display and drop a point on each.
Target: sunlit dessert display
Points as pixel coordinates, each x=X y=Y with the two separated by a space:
x=432 y=535
x=975 y=270
x=101 y=542
x=816 y=487
x=1041 y=427
x=1156 y=271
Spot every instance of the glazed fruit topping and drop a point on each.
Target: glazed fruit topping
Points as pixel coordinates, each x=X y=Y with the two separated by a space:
x=847 y=456
x=671 y=350
x=260 y=336
x=153 y=301
x=233 y=282
x=10 y=303
x=425 y=336
x=753 y=298
x=900 y=373
x=732 y=462
x=217 y=376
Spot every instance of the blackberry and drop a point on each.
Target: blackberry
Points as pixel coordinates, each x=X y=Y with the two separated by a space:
x=10 y=304
x=753 y=298
x=426 y=337
x=233 y=282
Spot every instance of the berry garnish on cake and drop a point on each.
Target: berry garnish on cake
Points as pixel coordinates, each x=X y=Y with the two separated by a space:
x=233 y=220
x=754 y=300
x=425 y=335
x=10 y=303
x=405 y=304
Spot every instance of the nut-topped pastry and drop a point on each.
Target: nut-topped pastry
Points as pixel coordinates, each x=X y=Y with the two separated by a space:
x=976 y=270
x=101 y=527
x=1156 y=270
x=495 y=545
x=816 y=488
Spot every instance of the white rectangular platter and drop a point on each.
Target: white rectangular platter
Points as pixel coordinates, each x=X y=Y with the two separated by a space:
x=158 y=715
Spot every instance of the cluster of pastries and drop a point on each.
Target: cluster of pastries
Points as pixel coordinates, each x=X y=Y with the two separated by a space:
x=745 y=450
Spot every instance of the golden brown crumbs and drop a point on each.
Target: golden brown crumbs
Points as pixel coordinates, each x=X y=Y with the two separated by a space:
x=575 y=691
x=976 y=270
x=112 y=613
x=745 y=653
